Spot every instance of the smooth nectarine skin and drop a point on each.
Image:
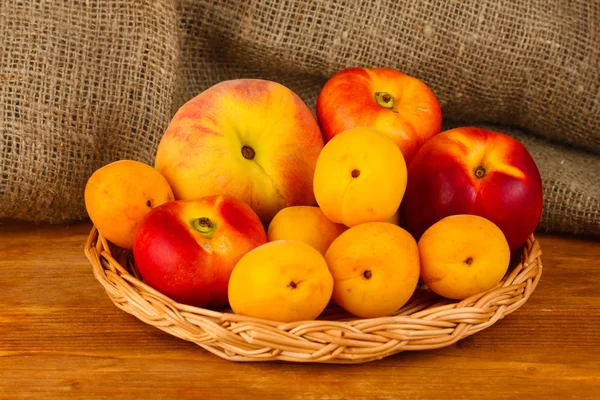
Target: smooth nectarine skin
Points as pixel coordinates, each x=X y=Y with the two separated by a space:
x=375 y=267
x=463 y=255
x=360 y=177
x=474 y=171
x=285 y=280
x=306 y=224
x=249 y=138
x=410 y=114
x=118 y=195
x=186 y=249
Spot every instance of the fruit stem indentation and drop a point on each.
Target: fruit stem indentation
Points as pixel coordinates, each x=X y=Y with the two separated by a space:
x=469 y=261
x=292 y=284
x=355 y=173
x=205 y=226
x=367 y=274
x=248 y=152
x=386 y=100
x=479 y=172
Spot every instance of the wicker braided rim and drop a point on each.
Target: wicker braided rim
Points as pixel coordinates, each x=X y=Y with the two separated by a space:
x=426 y=322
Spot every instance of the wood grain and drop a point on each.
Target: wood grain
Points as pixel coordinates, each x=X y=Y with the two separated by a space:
x=61 y=337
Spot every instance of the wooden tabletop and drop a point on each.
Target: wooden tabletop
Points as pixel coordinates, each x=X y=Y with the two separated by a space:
x=61 y=337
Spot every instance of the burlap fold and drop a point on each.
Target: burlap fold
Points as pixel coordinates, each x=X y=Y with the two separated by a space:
x=86 y=83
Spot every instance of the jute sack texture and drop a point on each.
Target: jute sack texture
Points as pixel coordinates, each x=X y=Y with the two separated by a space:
x=86 y=83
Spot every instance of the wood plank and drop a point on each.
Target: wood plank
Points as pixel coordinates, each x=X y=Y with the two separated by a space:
x=60 y=336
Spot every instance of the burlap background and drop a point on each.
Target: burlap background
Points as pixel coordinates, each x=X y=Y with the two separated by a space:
x=85 y=83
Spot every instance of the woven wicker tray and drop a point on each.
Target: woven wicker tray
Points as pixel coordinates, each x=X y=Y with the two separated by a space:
x=426 y=322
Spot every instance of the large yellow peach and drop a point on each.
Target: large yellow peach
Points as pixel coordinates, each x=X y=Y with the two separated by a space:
x=249 y=138
x=375 y=267
x=462 y=255
x=360 y=177
x=118 y=195
x=286 y=280
x=306 y=224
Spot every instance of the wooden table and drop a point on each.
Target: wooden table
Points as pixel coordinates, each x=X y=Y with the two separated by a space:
x=61 y=337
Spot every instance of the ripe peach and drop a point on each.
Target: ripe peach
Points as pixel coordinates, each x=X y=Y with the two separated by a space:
x=186 y=249
x=118 y=195
x=375 y=267
x=249 y=138
x=462 y=255
x=285 y=280
x=306 y=224
x=401 y=106
x=360 y=177
x=474 y=171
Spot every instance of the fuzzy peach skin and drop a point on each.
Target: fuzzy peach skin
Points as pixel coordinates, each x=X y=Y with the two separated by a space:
x=375 y=267
x=399 y=105
x=360 y=177
x=306 y=224
x=463 y=255
x=252 y=139
x=474 y=171
x=285 y=280
x=186 y=249
x=118 y=195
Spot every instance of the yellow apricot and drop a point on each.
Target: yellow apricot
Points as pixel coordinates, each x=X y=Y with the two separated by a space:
x=360 y=177
x=462 y=255
x=307 y=224
x=375 y=267
x=118 y=195
x=285 y=280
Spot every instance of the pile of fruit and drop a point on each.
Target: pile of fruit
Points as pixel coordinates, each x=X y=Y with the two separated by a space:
x=255 y=204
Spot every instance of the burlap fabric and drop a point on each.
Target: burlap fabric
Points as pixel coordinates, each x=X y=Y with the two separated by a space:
x=86 y=83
